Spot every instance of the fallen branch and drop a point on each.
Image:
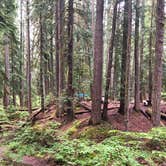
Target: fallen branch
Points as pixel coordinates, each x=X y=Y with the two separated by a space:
x=145 y=114
x=4 y=122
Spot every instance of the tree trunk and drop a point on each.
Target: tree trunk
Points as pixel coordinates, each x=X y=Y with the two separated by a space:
x=41 y=64
x=158 y=62
x=51 y=60
x=151 y=55
x=116 y=75
x=125 y=67
x=142 y=89
x=98 y=65
x=13 y=80
x=21 y=92
x=69 y=103
x=109 y=66
x=6 y=98
x=61 y=47
x=59 y=55
x=29 y=103
x=93 y=31
x=136 y=56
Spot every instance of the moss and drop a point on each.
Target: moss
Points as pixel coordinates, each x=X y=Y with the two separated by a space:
x=73 y=129
x=96 y=133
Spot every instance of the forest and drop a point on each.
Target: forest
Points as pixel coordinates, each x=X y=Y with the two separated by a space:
x=82 y=83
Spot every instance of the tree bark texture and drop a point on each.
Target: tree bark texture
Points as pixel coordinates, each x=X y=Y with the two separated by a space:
x=98 y=65
x=158 y=62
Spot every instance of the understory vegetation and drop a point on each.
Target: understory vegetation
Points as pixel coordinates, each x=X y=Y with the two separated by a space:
x=79 y=145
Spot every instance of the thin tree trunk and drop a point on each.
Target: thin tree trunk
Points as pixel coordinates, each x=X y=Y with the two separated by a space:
x=117 y=58
x=69 y=103
x=93 y=31
x=109 y=66
x=21 y=93
x=41 y=64
x=59 y=56
x=51 y=62
x=61 y=53
x=13 y=81
x=29 y=103
x=6 y=99
x=125 y=67
x=57 y=51
x=151 y=55
x=160 y=15
x=136 y=57
x=98 y=65
x=142 y=52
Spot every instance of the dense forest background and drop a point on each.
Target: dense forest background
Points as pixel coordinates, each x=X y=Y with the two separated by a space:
x=82 y=62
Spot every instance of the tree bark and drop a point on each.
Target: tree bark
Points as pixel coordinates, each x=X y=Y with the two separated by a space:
x=69 y=102
x=160 y=15
x=151 y=55
x=98 y=65
x=21 y=92
x=41 y=63
x=109 y=66
x=57 y=50
x=29 y=103
x=142 y=89
x=6 y=98
x=136 y=57
x=116 y=75
x=125 y=67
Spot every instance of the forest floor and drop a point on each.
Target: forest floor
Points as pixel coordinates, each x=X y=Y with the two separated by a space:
x=49 y=142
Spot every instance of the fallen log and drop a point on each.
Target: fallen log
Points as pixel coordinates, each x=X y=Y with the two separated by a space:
x=86 y=107
x=81 y=112
x=25 y=109
x=149 y=111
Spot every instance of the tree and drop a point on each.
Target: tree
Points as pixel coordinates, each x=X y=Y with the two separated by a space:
x=110 y=59
x=125 y=64
x=41 y=63
x=98 y=64
x=69 y=103
x=151 y=38
x=142 y=51
x=6 y=99
x=118 y=50
x=158 y=62
x=57 y=49
x=21 y=92
x=59 y=54
x=136 y=56
x=29 y=102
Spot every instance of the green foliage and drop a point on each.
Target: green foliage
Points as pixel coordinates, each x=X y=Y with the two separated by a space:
x=115 y=148
x=13 y=113
x=31 y=140
x=163 y=96
x=3 y=115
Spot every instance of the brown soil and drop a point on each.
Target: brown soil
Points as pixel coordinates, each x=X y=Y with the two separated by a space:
x=137 y=121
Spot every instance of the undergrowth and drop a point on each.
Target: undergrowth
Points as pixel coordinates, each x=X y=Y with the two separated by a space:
x=97 y=146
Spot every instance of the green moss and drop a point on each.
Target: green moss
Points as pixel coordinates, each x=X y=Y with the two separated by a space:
x=96 y=133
